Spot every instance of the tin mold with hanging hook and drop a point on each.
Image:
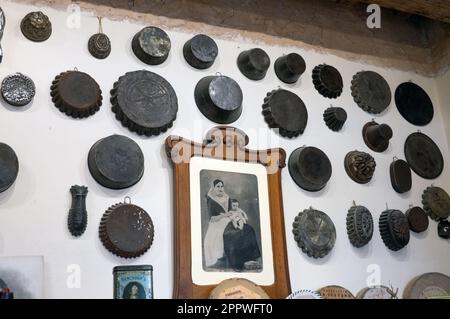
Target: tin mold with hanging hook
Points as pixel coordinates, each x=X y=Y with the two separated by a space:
x=126 y=230
x=65 y=92
x=36 y=26
x=219 y=98
x=18 y=89
x=200 y=52
x=99 y=45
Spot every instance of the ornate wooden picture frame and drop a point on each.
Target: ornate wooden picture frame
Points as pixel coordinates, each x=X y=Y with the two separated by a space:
x=227 y=146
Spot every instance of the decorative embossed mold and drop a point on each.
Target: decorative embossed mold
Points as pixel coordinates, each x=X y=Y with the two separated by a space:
x=144 y=102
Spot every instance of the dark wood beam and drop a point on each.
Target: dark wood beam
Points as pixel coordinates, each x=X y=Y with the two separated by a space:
x=433 y=9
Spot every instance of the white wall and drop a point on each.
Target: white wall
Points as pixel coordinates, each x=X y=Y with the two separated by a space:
x=443 y=92
x=52 y=149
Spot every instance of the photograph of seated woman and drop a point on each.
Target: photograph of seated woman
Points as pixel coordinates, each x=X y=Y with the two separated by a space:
x=230 y=242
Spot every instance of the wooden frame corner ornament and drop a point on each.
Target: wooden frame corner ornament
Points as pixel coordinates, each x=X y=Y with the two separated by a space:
x=226 y=144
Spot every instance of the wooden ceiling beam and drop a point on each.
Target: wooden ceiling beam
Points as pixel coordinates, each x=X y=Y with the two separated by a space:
x=433 y=9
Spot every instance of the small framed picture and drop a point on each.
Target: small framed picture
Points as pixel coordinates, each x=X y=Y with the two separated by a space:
x=229 y=214
x=22 y=277
x=133 y=282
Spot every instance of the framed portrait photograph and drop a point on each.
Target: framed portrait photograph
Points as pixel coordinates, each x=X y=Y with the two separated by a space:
x=230 y=222
x=228 y=214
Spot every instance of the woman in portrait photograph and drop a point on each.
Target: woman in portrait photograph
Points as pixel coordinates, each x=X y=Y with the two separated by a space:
x=240 y=245
x=222 y=240
x=133 y=290
x=218 y=203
